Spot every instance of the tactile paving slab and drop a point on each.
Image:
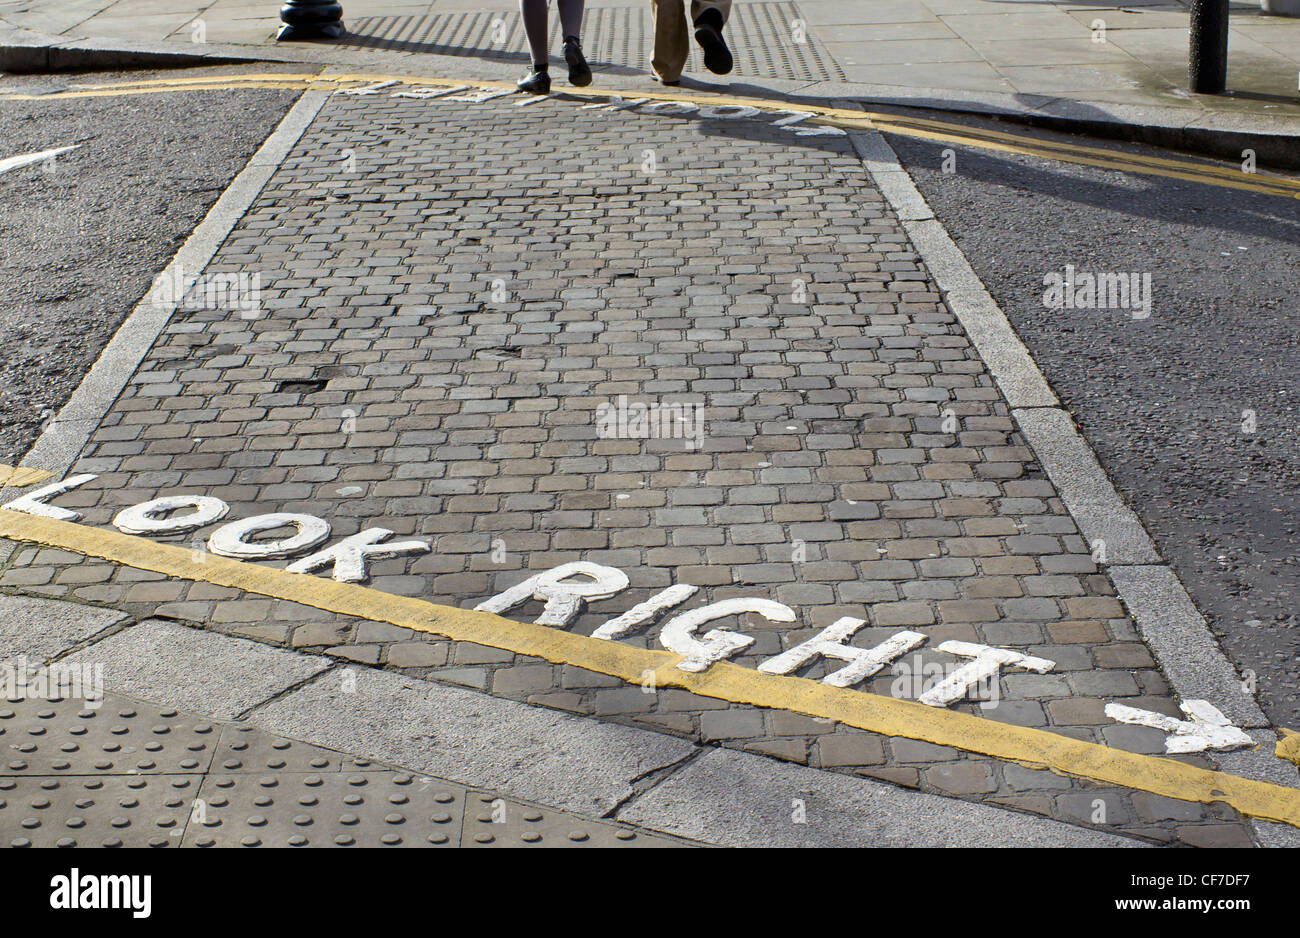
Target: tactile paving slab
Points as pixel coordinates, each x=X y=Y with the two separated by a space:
x=761 y=36
x=354 y=809
x=248 y=749
x=133 y=774
x=104 y=811
x=491 y=821
x=64 y=737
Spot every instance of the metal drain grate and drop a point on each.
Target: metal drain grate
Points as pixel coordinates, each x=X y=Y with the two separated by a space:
x=761 y=36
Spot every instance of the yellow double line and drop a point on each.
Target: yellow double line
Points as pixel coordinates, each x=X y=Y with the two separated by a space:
x=958 y=134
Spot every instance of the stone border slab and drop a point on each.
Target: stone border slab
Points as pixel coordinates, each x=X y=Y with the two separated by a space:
x=740 y=800
x=42 y=629
x=204 y=672
x=1178 y=634
x=1161 y=608
x=1102 y=516
x=537 y=754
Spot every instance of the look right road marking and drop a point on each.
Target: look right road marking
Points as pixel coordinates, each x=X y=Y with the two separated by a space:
x=723 y=680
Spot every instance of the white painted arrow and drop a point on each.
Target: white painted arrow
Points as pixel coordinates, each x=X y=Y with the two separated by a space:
x=1207 y=728
x=26 y=159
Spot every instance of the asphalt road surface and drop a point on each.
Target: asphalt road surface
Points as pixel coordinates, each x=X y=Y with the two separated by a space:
x=85 y=235
x=1163 y=400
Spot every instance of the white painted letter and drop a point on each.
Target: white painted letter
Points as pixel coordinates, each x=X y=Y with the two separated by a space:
x=986 y=663
x=231 y=540
x=563 y=600
x=151 y=517
x=679 y=633
x=349 y=557
x=33 y=503
x=646 y=611
x=829 y=642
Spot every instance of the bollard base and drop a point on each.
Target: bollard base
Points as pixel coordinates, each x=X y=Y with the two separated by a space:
x=310 y=19
x=292 y=32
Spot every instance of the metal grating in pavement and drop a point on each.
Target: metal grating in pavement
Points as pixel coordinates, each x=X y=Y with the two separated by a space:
x=761 y=35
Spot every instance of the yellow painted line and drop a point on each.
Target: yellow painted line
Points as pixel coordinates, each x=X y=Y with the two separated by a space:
x=723 y=681
x=127 y=92
x=19 y=476
x=1192 y=174
x=920 y=128
x=968 y=130
x=1288 y=747
x=203 y=79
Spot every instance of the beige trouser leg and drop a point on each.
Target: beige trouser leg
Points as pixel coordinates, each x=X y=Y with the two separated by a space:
x=673 y=34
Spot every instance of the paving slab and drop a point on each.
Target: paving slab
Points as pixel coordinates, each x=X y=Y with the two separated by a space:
x=41 y=629
x=132 y=773
x=525 y=752
x=205 y=672
x=740 y=800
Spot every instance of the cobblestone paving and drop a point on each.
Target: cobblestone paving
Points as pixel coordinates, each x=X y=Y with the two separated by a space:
x=438 y=329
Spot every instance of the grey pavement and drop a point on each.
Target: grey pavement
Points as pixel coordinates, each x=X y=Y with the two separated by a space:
x=458 y=765
x=1099 y=63
x=40 y=629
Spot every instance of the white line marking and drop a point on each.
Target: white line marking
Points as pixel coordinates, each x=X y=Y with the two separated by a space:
x=14 y=162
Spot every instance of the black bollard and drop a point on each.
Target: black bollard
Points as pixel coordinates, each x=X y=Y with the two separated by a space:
x=1207 y=63
x=310 y=19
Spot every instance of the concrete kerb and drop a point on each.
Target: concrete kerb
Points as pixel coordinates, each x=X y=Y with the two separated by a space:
x=23 y=51
x=1161 y=608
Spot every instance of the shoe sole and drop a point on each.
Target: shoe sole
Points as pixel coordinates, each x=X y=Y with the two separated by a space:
x=717 y=57
x=579 y=70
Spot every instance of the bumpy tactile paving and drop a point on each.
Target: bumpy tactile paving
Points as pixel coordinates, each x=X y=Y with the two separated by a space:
x=350 y=809
x=132 y=774
x=64 y=737
x=248 y=749
x=491 y=821
x=101 y=811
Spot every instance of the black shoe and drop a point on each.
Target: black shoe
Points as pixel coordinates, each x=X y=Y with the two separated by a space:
x=717 y=57
x=579 y=70
x=539 y=82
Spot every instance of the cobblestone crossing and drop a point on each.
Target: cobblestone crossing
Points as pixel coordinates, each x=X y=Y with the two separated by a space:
x=451 y=290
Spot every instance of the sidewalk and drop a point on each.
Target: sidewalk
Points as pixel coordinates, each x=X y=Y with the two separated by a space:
x=114 y=770
x=1094 y=66
x=431 y=342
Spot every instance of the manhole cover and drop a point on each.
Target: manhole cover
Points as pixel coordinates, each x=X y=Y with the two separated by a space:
x=762 y=36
